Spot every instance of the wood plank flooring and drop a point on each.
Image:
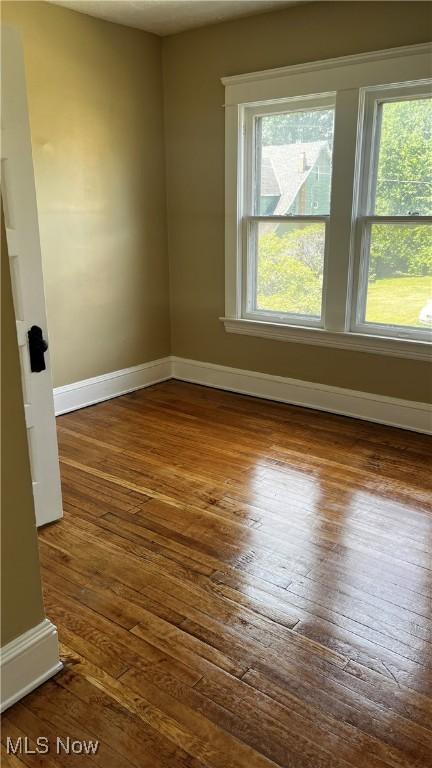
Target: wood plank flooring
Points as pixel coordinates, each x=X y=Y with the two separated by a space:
x=236 y=584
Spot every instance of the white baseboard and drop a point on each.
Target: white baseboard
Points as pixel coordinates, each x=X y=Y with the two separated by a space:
x=71 y=397
x=26 y=662
x=347 y=402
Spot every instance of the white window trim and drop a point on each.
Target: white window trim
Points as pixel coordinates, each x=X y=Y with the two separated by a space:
x=362 y=342
x=346 y=76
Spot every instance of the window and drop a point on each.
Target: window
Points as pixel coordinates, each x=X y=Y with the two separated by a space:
x=287 y=206
x=329 y=203
x=395 y=290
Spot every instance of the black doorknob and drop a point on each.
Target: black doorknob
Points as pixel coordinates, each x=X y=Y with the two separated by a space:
x=37 y=346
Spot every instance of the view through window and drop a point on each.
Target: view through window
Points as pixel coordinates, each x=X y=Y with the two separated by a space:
x=399 y=290
x=293 y=164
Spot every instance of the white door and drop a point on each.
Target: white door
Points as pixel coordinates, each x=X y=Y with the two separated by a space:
x=22 y=232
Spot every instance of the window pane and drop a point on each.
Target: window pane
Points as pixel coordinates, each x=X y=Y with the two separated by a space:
x=400 y=275
x=404 y=172
x=290 y=262
x=293 y=163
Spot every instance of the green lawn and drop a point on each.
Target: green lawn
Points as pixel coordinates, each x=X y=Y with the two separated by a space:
x=393 y=301
x=398 y=300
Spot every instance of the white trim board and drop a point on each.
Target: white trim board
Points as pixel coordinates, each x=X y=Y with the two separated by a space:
x=359 y=405
x=392 y=65
x=320 y=64
x=27 y=662
x=363 y=342
x=80 y=394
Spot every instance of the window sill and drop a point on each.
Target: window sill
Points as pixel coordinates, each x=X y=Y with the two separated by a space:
x=379 y=345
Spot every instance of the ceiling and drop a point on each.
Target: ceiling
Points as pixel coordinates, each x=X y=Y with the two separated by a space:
x=165 y=17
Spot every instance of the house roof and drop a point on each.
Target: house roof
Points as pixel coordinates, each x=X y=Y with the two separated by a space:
x=285 y=168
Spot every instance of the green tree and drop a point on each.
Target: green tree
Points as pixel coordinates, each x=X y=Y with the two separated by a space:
x=289 y=272
x=404 y=173
x=305 y=243
x=292 y=127
x=399 y=250
x=404 y=186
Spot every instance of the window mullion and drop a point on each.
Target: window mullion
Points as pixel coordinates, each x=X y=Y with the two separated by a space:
x=413 y=219
x=289 y=219
x=338 y=269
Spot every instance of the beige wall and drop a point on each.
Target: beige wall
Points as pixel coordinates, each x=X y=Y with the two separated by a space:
x=21 y=598
x=194 y=62
x=95 y=104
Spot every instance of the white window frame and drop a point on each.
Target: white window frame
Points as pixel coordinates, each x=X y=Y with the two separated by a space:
x=371 y=100
x=350 y=78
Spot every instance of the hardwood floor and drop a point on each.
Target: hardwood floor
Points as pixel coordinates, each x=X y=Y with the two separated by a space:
x=236 y=584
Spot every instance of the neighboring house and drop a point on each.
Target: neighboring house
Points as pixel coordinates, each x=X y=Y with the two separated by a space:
x=295 y=179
